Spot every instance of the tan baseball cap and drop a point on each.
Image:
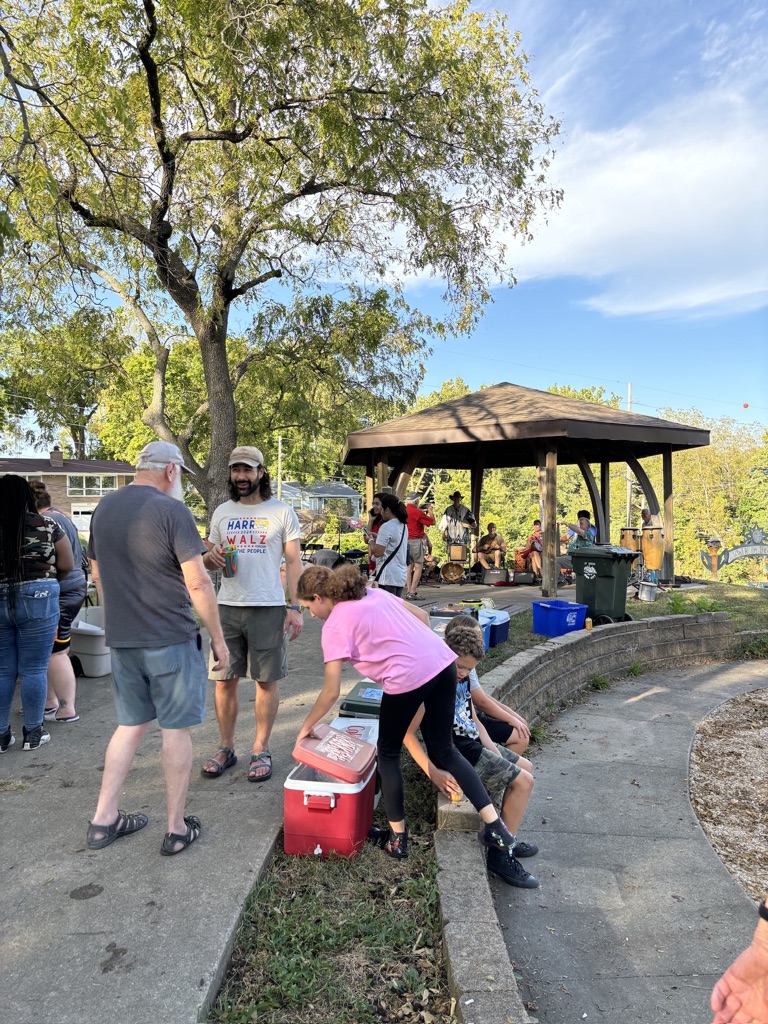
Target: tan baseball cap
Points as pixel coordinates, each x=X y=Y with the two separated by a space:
x=247 y=456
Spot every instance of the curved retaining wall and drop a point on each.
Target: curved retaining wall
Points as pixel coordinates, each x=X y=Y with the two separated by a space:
x=532 y=682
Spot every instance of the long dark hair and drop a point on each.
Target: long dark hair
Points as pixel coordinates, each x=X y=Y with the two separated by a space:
x=393 y=503
x=16 y=499
x=265 y=487
x=377 y=520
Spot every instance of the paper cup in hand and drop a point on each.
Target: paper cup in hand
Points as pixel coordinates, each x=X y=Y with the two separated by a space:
x=230 y=560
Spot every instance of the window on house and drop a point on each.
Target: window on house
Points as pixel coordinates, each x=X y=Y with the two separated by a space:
x=90 y=486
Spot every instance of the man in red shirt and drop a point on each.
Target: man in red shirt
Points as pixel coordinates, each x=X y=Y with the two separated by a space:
x=417 y=520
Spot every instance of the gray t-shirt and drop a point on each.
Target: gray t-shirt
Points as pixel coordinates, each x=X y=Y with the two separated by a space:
x=139 y=538
x=74 y=581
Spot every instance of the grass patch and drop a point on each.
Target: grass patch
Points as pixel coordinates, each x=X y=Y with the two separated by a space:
x=747 y=606
x=349 y=941
x=12 y=785
x=599 y=683
x=635 y=669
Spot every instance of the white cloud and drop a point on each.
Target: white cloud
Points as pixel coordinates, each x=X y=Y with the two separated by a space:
x=669 y=213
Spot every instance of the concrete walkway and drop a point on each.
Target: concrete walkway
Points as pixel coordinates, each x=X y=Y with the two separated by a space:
x=636 y=917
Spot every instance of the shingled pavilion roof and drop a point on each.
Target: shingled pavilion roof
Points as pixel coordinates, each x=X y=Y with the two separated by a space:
x=509 y=421
x=507 y=425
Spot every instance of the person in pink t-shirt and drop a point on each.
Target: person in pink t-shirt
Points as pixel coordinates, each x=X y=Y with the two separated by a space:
x=391 y=642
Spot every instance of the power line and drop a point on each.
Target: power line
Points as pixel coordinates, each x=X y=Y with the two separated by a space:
x=600 y=380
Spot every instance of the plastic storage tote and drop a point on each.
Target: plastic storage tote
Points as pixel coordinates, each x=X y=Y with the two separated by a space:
x=554 y=618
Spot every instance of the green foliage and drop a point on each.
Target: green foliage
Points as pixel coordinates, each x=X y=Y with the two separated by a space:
x=599 y=683
x=189 y=156
x=57 y=371
x=635 y=669
x=590 y=394
x=757 y=648
x=676 y=604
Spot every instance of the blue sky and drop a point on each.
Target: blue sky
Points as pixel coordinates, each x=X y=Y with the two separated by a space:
x=655 y=269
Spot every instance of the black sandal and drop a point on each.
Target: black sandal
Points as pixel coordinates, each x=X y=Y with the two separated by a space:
x=194 y=828
x=99 y=836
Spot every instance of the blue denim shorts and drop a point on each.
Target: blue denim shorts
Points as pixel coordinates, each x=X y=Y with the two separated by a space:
x=166 y=683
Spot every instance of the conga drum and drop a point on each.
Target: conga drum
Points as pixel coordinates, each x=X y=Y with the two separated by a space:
x=519 y=560
x=451 y=572
x=629 y=537
x=652 y=546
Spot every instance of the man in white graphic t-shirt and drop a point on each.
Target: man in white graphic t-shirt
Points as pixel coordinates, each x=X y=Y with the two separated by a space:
x=254 y=617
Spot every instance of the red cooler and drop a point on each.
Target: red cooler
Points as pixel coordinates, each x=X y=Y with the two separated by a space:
x=328 y=799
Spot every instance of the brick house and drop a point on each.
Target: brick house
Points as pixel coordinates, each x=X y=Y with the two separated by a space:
x=75 y=485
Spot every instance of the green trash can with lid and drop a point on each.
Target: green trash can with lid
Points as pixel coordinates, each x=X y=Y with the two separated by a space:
x=602 y=576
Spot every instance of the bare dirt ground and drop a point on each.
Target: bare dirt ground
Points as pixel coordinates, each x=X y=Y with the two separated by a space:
x=729 y=787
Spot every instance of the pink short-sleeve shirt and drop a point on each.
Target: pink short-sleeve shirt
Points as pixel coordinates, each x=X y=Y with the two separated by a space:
x=384 y=642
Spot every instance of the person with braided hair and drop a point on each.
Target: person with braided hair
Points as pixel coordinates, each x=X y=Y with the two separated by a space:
x=390 y=641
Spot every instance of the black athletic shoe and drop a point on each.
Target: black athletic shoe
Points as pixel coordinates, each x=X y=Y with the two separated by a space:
x=510 y=870
x=7 y=739
x=33 y=738
x=525 y=850
x=496 y=836
x=397 y=845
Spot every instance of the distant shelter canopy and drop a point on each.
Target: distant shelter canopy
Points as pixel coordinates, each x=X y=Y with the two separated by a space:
x=511 y=426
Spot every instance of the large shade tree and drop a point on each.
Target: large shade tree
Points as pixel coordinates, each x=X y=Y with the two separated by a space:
x=187 y=156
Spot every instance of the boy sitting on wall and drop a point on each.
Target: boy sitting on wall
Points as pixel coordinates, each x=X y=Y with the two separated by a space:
x=507 y=776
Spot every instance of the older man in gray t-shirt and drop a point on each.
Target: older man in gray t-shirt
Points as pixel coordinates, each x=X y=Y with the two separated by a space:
x=146 y=562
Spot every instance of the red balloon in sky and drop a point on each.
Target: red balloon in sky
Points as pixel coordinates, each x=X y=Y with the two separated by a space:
x=746 y=405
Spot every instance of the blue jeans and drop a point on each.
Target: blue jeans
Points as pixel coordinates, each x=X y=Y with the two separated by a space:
x=27 y=631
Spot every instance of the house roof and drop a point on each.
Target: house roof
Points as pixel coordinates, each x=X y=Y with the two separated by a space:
x=88 y=467
x=331 y=489
x=508 y=421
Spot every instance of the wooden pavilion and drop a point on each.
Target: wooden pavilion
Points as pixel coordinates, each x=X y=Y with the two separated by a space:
x=507 y=425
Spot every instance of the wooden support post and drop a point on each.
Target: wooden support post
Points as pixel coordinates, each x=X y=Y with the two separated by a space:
x=548 y=482
x=668 y=566
x=605 y=496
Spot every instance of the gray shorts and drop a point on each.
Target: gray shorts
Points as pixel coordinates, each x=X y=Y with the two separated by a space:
x=416 y=550
x=258 y=647
x=166 y=683
x=496 y=772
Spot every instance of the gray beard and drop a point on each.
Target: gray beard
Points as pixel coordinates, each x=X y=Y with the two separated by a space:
x=177 y=490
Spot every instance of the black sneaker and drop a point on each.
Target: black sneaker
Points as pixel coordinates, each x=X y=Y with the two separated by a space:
x=496 y=836
x=510 y=870
x=397 y=845
x=525 y=849
x=33 y=738
x=7 y=739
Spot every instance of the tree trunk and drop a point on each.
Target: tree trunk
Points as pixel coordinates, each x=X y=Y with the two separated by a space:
x=215 y=473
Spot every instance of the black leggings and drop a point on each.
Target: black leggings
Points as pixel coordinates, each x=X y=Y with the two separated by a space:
x=397 y=710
